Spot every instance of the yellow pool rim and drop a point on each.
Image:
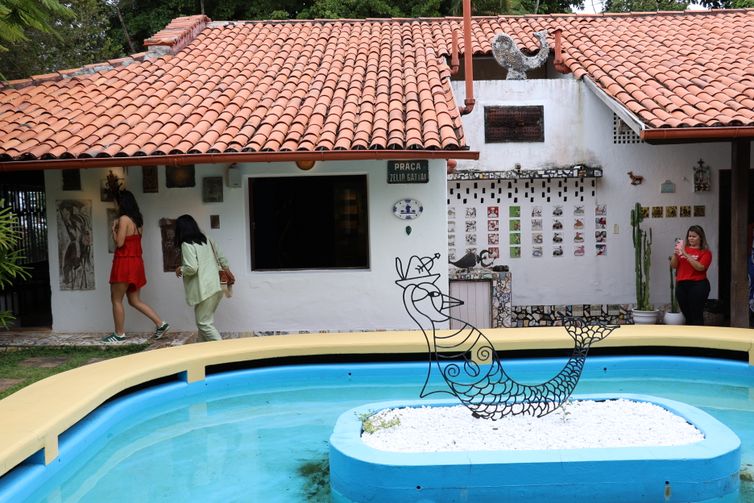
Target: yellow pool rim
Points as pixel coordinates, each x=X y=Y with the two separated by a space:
x=32 y=418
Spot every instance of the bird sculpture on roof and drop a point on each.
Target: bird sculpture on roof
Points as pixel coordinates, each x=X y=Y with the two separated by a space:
x=509 y=56
x=464 y=363
x=471 y=259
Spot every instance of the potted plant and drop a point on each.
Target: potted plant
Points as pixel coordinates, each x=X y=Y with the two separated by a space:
x=674 y=316
x=643 y=312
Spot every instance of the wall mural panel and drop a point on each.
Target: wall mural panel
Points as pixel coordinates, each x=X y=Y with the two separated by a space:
x=526 y=218
x=74 y=219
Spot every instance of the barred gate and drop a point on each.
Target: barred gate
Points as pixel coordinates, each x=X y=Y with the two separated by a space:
x=29 y=300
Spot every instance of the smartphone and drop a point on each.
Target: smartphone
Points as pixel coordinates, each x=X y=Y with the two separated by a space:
x=679 y=245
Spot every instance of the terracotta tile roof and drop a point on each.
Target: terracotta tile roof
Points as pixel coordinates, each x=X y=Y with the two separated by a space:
x=246 y=87
x=671 y=70
x=370 y=86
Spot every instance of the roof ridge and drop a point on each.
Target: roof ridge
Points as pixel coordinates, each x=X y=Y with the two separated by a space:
x=176 y=35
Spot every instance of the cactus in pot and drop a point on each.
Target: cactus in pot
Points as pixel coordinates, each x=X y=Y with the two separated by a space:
x=673 y=301
x=642 y=259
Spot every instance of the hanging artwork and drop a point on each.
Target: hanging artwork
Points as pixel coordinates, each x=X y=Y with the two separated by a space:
x=657 y=211
x=171 y=256
x=109 y=185
x=702 y=177
x=179 y=176
x=699 y=211
x=112 y=215
x=74 y=219
x=149 y=183
x=71 y=179
x=212 y=190
x=684 y=211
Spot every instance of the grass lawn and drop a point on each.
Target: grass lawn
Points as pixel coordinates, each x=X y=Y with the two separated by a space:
x=60 y=359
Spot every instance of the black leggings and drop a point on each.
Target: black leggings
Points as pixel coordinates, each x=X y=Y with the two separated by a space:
x=691 y=297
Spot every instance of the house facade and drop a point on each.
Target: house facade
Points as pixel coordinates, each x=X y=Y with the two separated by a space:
x=316 y=152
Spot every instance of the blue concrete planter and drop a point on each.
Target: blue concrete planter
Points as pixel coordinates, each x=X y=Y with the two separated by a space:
x=690 y=473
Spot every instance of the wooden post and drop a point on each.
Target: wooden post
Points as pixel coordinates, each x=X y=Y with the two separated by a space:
x=739 y=249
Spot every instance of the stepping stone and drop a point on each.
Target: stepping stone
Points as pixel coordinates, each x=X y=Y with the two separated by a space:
x=8 y=383
x=45 y=362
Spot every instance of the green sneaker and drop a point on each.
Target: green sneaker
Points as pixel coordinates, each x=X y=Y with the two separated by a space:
x=112 y=338
x=161 y=330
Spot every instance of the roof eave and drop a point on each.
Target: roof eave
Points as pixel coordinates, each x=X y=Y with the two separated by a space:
x=231 y=157
x=636 y=125
x=660 y=136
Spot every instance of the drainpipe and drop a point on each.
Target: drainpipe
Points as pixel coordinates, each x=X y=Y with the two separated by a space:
x=452 y=163
x=454 y=63
x=468 y=56
x=558 y=61
x=669 y=135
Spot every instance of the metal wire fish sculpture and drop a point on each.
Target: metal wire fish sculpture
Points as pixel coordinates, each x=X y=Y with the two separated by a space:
x=466 y=360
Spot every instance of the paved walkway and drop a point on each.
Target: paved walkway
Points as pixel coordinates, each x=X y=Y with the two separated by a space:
x=11 y=340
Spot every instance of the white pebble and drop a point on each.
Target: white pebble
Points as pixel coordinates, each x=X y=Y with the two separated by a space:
x=579 y=424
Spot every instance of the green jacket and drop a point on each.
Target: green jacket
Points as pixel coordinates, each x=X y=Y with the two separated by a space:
x=200 y=271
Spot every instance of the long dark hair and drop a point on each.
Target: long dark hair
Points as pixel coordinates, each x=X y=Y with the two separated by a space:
x=187 y=231
x=697 y=229
x=127 y=206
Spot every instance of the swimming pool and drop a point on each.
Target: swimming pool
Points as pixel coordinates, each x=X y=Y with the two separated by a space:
x=262 y=434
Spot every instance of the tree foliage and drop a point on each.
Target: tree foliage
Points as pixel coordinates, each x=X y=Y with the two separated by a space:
x=10 y=256
x=19 y=16
x=77 y=40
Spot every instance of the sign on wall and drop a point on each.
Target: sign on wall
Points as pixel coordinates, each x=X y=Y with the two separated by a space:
x=408 y=171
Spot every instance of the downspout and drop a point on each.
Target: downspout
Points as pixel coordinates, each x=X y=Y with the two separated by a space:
x=468 y=55
x=558 y=62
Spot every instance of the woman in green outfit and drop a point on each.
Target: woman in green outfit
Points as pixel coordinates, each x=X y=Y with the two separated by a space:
x=201 y=259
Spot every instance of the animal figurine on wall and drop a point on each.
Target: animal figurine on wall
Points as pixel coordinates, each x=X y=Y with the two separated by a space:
x=509 y=56
x=465 y=361
x=472 y=259
x=635 y=179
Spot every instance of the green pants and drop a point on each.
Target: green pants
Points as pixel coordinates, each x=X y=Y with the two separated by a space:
x=205 y=317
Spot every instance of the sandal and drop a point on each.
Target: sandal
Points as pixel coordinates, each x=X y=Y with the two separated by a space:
x=114 y=338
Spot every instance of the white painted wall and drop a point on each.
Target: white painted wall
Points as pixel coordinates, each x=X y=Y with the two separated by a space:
x=286 y=301
x=578 y=129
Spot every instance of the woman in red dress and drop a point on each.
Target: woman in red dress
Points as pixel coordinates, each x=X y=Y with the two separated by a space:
x=127 y=276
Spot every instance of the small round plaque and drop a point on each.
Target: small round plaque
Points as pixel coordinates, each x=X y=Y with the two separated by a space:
x=407 y=209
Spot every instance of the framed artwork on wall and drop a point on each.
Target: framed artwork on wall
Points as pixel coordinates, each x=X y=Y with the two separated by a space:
x=177 y=177
x=109 y=185
x=76 y=271
x=71 y=179
x=171 y=256
x=149 y=183
x=111 y=216
x=212 y=189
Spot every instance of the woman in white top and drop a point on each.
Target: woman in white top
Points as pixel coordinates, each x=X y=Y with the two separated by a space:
x=201 y=260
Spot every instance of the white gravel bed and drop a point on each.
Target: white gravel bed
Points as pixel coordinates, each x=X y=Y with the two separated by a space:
x=579 y=424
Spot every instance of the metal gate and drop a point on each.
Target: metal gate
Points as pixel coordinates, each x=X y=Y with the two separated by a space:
x=29 y=299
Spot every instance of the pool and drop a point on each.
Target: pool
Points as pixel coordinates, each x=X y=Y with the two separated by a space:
x=262 y=434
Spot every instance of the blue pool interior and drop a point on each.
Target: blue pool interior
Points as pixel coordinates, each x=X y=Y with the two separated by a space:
x=262 y=434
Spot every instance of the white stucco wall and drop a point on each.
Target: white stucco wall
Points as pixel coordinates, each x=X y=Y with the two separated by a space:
x=286 y=300
x=579 y=129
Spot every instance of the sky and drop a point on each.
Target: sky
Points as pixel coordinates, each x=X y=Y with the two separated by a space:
x=594 y=6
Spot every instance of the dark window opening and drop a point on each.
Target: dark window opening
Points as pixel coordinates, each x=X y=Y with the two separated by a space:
x=514 y=124
x=318 y=222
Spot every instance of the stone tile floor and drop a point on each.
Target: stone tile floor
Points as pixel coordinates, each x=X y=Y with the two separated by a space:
x=11 y=340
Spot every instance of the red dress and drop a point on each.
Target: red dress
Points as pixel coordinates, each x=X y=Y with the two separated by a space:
x=128 y=266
